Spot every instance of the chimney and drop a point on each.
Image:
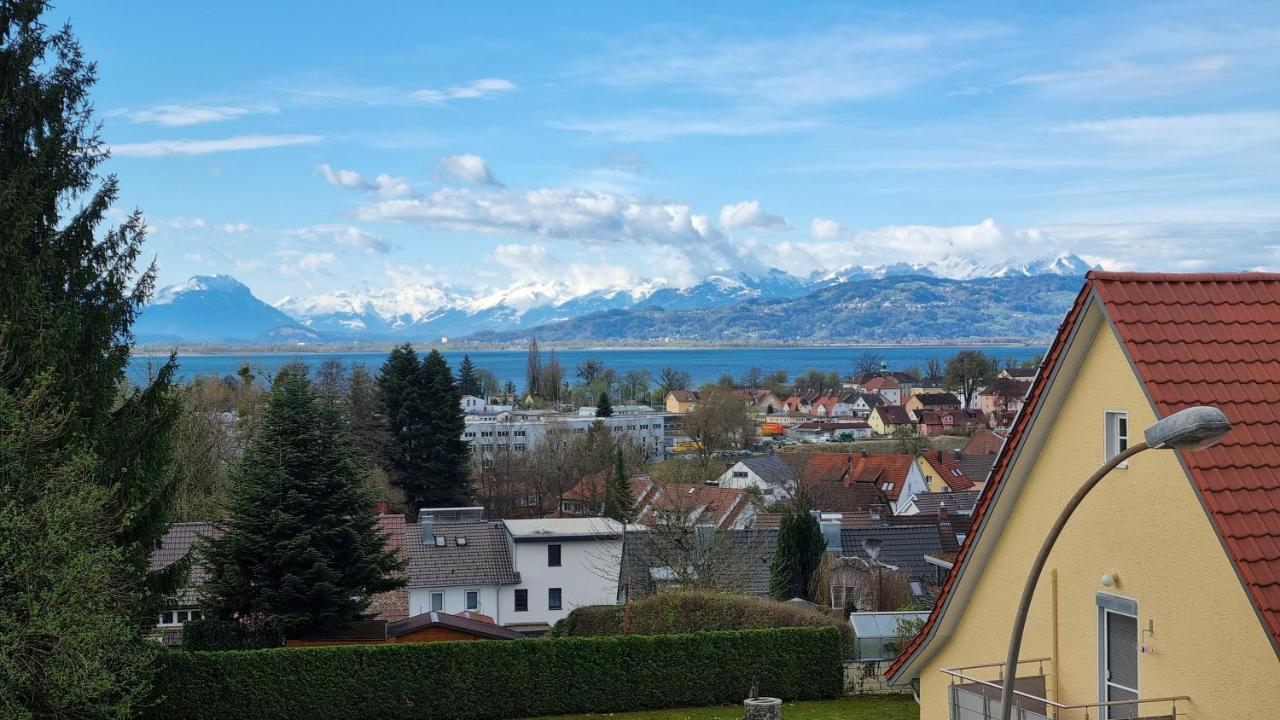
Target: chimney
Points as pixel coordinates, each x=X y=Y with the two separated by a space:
x=428 y=529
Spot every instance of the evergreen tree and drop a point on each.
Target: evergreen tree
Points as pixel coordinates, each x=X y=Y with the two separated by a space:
x=393 y=380
x=431 y=458
x=468 y=380
x=70 y=290
x=365 y=416
x=302 y=547
x=618 y=503
x=799 y=554
x=604 y=408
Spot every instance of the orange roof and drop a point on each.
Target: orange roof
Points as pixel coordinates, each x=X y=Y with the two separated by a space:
x=881 y=383
x=948 y=469
x=983 y=442
x=719 y=506
x=1193 y=339
x=883 y=469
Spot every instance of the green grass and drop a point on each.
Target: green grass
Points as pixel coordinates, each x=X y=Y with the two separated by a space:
x=891 y=707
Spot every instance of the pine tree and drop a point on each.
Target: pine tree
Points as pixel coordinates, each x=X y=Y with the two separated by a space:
x=431 y=458
x=393 y=380
x=798 y=556
x=618 y=503
x=70 y=290
x=468 y=381
x=365 y=415
x=604 y=408
x=302 y=547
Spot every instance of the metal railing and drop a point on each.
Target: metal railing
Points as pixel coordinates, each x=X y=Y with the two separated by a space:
x=974 y=698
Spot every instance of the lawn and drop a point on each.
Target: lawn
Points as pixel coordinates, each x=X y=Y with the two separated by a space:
x=896 y=707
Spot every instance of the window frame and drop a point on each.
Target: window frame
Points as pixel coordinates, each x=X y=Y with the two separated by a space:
x=557 y=555
x=1113 y=441
x=431 y=602
x=466 y=600
x=555 y=598
x=521 y=599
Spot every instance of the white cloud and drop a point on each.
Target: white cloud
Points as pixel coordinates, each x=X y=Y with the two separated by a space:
x=384 y=184
x=298 y=264
x=246 y=265
x=661 y=126
x=183 y=115
x=160 y=148
x=483 y=87
x=188 y=223
x=468 y=168
x=348 y=236
x=1207 y=133
x=825 y=229
x=748 y=215
x=238 y=228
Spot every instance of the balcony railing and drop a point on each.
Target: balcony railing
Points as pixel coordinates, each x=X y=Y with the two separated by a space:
x=971 y=697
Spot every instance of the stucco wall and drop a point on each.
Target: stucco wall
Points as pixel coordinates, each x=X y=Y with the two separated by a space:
x=1143 y=524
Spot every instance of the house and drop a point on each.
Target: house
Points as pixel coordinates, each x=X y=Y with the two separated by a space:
x=474 y=405
x=516 y=433
x=560 y=563
x=694 y=506
x=175 y=546
x=1026 y=374
x=942 y=472
x=800 y=403
x=457 y=561
x=769 y=474
x=681 y=401
x=586 y=497
x=927 y=386
x=885 y=419
x=1164 y=587
x=759 y=400
x=950 y=422
x=983 y=442
x=1003 y=396
x=887 y=388
x=931 y=401
x=832 y=430
x=898 y=476
x=959 y=503
x=730 y=560
x=904 y=380
x=861 y=404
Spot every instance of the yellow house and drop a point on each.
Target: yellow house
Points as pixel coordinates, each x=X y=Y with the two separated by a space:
x=681 y=401
x=942 y=472
x=1162 y=595
x=887 y=418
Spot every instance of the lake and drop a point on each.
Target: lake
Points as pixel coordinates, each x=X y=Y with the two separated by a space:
x=704 y=365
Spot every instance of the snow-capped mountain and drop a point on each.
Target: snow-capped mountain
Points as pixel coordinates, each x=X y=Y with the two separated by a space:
x=215 y=309
x=220 y=309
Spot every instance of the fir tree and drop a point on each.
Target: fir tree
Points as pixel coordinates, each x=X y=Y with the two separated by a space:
x=70 y=289
x=393 y=380
x=302 y=547
x=431 y=458
x=468 y=381
x=799 y=554
x=618 y=503
x=604 y=408
x=365 y=415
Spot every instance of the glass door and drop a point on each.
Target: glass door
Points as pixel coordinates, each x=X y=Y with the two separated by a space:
x=1119 y=666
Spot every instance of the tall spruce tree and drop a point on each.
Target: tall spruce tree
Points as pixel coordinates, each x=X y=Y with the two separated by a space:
x=302 y=547
x=604 y=407
x=394 y=377
x=70 y=289
x=618 y=503
x=798 y=556
x=431 y=458
x=468 y=380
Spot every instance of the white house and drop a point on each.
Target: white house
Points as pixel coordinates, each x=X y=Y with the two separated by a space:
x=457 y=561
x=562 y=563
x=473 y=405
x=519 y=431
x=768 y=473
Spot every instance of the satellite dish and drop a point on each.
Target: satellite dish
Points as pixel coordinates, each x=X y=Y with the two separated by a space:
x=872 y=547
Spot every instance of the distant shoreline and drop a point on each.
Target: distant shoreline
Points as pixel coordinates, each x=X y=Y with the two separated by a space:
x=154 y=350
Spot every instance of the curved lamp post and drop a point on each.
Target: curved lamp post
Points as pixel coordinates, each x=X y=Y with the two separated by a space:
x=1194 y=428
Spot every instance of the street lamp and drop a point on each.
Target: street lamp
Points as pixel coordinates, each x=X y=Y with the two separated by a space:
x=1194 y=428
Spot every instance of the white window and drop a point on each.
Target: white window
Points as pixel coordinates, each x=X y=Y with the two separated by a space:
x=473 y=599
x=1117 y=433
x=437 y=602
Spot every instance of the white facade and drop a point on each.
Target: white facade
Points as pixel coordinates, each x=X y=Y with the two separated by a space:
x=473 y=405
x=914 y=484
x=521 y=431
x=454 y=600
x=589 y=551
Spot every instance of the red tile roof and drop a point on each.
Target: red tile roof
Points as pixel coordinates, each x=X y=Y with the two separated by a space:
x=1193 y=339
x=881 y=383
x=886 y=469
x=949 y=469
x=983 y=442
x=893 y=415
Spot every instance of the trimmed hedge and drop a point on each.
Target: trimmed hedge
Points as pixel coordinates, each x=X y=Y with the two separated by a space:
x=695 y=611
x=211 y=634
x=498 y=679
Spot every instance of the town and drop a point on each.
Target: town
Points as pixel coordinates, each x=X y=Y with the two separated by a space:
x=668 y=362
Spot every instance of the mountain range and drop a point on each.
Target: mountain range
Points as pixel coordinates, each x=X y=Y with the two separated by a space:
x=950 y=300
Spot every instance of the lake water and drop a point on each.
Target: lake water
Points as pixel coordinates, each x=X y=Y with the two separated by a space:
x=704 y=365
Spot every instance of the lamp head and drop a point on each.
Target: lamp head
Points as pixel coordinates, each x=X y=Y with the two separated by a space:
x=1194 y=428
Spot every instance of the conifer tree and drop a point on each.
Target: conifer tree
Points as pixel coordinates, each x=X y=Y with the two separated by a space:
x=618 y=503
x=431 y=458
x=393 y=380
x=468 y=380
x=604 y=408
x=798 y=556
x=365 y=415
x=302 y=547
x=70 y=289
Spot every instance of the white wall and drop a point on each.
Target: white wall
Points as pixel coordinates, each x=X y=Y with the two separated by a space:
x=455 y=600
x=588 y=575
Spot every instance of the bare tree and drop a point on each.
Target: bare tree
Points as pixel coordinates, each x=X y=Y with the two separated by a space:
x=670 y=379
x=933 y=368
x=718 y=422
x=868 y=362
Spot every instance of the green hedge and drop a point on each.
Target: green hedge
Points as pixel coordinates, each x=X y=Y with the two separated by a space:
x=211 y=634
x=696 y=611
x=498 y=679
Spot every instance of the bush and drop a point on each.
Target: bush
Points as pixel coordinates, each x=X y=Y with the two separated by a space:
x=211 y=634
x=479 y=680
x=694 y=611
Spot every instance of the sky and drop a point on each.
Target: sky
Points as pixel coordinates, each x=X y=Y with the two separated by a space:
x=313 y=148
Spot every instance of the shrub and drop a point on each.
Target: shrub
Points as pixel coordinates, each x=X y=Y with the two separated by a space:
x=694 y=611
x=480 y=680
x=211 y=634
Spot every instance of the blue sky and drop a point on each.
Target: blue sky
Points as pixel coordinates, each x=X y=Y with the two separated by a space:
x=312 y=148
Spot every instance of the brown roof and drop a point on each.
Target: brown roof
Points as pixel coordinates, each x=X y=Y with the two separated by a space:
x=881 y=383
x=685 y=395
x=1007 y=388
x=174 y=546
x=837 y=497
x=937 y=399
x=882 y=469
x=948 y=469
x=484 y=559
x=469 y=625
x=894 y=415
x=1192 y=339
x=983 y=442
x=718 y=506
